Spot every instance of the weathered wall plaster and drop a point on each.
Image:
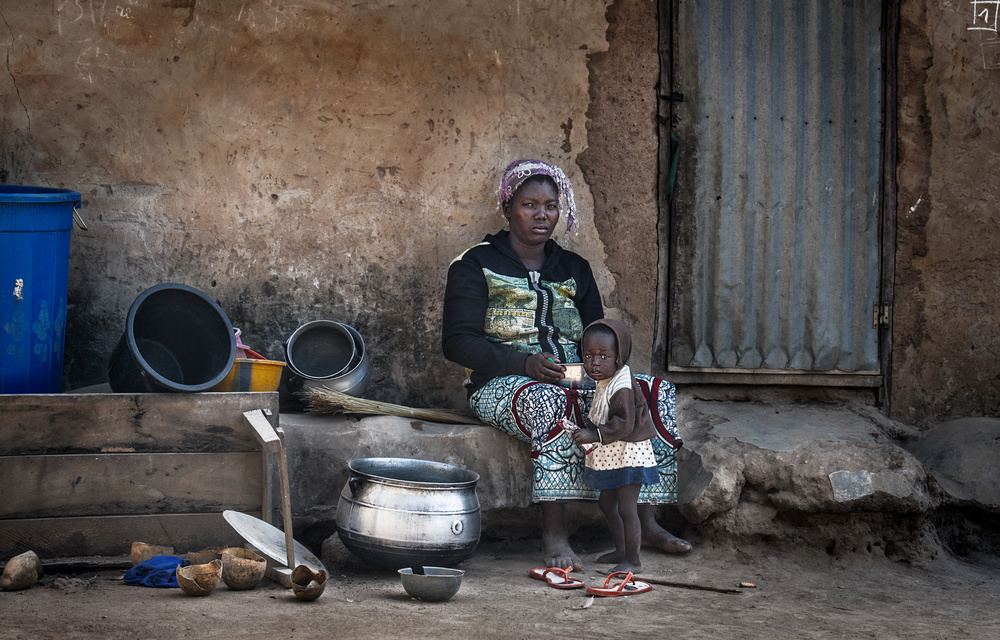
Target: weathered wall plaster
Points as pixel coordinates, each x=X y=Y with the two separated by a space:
x=946 y=347
x=327 y=160
x=295 y=161
x=620 y=166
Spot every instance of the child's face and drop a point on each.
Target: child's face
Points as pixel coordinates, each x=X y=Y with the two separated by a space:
x=600 y=353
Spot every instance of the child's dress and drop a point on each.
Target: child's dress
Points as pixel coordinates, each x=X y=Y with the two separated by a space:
x=617 y=463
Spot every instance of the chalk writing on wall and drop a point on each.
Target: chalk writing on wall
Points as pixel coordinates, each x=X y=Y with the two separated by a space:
x=984 y=15
x=984 y=20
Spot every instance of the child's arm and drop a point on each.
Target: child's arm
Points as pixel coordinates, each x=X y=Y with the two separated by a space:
x=621 y=418
x=585 y=436
x=582 y=436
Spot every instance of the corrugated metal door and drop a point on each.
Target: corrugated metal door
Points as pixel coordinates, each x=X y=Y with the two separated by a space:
x=775 y=247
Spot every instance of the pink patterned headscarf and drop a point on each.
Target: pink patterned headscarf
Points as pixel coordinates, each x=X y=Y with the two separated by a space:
x=517 y=172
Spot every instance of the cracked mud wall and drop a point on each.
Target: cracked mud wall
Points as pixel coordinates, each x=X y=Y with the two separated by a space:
x=946 y=347
x=299 y=160
x=620 y=165
x=324 y=160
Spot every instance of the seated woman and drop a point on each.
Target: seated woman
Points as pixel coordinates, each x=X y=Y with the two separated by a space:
x=515 y=307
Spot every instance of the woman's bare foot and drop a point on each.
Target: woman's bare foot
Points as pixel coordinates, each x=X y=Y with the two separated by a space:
x=612 y=557
x=556 y=551
x=634 y=567
x=656 y=537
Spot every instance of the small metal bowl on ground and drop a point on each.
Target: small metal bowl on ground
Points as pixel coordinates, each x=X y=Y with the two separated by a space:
x=436 y=584
x=575 y=377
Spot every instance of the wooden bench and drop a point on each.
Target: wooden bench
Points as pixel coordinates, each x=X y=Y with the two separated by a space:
x=88 y=474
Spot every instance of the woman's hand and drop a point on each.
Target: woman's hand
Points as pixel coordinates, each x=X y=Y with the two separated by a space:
x=544 y=367
x=585 y=436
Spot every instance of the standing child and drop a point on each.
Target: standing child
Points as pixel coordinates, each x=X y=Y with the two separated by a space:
x=620 y=421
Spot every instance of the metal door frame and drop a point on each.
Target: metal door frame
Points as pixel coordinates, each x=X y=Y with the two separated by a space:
x=886 y=239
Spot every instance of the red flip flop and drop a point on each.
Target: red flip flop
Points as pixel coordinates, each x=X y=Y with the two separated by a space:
x=628 y=586
x=556 y=577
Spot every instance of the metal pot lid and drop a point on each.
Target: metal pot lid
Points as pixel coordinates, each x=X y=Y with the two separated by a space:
x=413 y=472
x=270 y=540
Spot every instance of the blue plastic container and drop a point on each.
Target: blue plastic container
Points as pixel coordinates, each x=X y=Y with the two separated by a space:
x=35 y=225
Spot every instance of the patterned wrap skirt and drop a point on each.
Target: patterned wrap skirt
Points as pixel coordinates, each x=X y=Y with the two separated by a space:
x=529 y=410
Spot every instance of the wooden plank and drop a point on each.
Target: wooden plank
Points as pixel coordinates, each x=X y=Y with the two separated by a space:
x=889 y=188
x=143 y=422
x=114 y=535
x=264 y=427
x=129 y=483
x=262 y=430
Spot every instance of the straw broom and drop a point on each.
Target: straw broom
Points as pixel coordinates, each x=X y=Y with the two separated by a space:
x=326 y=400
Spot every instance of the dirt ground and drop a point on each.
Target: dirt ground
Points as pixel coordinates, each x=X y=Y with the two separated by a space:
x=811 y=595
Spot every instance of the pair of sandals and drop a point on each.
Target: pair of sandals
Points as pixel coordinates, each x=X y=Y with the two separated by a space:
x=558 y=578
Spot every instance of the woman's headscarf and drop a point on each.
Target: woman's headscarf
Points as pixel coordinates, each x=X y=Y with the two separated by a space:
x=517 y=172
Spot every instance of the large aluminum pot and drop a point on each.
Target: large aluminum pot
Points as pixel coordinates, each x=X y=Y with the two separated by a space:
x=398 y=512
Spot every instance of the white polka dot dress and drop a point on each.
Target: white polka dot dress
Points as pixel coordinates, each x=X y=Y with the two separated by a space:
x=620 y=463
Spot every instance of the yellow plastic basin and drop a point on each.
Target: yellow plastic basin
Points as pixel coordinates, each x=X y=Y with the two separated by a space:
x=251 y=375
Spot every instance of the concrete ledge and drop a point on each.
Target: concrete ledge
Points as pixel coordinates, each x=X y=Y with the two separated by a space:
x=961 y=455
x=809 y=474
x=801 y=473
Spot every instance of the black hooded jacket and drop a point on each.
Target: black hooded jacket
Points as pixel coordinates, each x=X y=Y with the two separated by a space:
x=496 y=314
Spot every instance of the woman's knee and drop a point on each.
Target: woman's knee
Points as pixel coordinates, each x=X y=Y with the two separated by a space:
x=539 y=405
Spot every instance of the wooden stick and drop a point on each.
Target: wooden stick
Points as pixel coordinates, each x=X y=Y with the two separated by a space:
x=687 y=585
x=286 y=506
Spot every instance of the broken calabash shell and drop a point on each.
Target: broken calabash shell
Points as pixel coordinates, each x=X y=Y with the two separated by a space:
x=242 y=568
x=21 y=572
x=205 y=556
x=199 y=579
x=307 y=585
x=142 y=551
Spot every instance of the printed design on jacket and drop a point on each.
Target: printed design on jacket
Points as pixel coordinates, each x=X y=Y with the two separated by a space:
x=512 y=314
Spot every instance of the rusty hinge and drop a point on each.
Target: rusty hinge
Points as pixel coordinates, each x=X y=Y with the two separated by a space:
x=880 y=316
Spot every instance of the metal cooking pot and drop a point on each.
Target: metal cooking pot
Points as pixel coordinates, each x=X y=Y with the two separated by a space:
x=320 y=349
x=398 y=512
x=352 y=380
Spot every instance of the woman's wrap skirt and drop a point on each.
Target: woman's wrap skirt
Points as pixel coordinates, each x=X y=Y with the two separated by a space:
x=530 y=410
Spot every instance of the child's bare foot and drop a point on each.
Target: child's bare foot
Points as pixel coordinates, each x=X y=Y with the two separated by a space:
x=611 y=557
x=634 y=567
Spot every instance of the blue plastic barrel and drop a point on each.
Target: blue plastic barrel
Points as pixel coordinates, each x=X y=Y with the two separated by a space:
x=35 y=225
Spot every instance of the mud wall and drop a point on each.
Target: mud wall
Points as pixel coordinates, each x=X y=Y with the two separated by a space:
x=317 y=159
x=620 y=165
x=946 y=347
x=327 y=160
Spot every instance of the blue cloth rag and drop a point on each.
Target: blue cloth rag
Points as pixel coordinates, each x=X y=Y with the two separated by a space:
x=158 y=571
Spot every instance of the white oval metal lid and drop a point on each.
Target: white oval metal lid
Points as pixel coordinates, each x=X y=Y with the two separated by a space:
x=270 y=540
